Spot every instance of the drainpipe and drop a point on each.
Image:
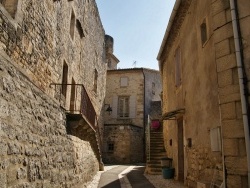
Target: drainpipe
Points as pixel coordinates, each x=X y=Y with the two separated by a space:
x=242 y=77
x=144 y=115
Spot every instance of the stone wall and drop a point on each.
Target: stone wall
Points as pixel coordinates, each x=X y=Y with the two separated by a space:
x=35 y=150
x=209 y=92
x=128 y=144
x=187 y=139
x=135 y=90
x=153 y=89
x=37 y=38
x=229 y=93
x=43 y=35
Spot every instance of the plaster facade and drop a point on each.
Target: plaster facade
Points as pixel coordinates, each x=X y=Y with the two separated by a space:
x=201 y=87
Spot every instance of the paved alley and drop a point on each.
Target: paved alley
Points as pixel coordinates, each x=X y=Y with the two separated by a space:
x=125 y=176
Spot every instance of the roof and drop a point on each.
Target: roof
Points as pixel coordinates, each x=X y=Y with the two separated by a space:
x=178 y=13
x=132 y=70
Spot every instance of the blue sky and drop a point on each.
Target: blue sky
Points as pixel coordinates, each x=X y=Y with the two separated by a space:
x=138 y=27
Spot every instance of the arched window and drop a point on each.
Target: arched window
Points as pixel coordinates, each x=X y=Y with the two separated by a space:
x=203 y=28
x=64 y=79
x=95 y=81
x=72 y=24
x=10 y=6
x=79 y=28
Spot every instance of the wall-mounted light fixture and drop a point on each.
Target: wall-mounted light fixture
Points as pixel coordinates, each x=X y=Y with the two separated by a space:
x=108 y=109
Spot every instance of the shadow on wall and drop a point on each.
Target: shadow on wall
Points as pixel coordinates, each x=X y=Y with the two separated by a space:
x=35 y=146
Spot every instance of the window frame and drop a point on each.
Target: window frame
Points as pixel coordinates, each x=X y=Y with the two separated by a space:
x=95 y=80
x=127 y=80
x=123 y=108
x=204 y=32
x=110 y=147
x=178 y=67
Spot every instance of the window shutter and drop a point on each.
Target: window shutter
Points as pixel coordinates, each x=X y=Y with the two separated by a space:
x=124 y=81
x=114 y=106
x=132 y=106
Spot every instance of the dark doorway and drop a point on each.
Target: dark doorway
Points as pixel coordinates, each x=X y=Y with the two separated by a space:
x=180 y=150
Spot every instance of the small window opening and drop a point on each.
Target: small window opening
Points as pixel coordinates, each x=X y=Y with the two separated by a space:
x=64 y=79
x=79 y=28
x=72 y=25
x=95 y=81
x=109 y=64
x=153 y=88
x=203 y=28
x=10 y=6
x=72 y=95
x=178 y=78
x=111 y=147
x=124 y=81
x=123 y=107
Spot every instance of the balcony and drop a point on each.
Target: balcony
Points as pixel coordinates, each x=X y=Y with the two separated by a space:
x=80 y=114
x=76 y=102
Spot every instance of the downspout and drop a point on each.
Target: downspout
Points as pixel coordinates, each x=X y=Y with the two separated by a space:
x=242 y=79
x=144 y=108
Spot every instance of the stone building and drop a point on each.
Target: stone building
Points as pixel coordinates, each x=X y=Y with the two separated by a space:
x=129 y=93
x=204 y=62
x=52 y=87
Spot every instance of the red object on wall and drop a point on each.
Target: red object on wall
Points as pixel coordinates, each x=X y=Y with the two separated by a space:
x=155 y=124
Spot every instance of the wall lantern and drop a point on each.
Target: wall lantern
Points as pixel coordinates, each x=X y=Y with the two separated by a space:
x=108 y=109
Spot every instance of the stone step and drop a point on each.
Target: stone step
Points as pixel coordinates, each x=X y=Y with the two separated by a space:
x=158 y=153
x=154 y=171
x=157 y=145
x=156 y=140
x=156 y=157
x=156 y=135
x=155 y=166
x=160 y=150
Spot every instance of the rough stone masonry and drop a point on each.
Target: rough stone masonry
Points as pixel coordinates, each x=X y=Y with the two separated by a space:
x=37 y=38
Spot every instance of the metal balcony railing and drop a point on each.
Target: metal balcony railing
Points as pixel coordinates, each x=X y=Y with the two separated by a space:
x=75 y=100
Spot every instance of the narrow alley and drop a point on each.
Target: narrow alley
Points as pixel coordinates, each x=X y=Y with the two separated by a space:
x=126 y=176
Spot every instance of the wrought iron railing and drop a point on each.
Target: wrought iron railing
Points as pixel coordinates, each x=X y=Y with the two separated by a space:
x=75 y=100
x=148 y=131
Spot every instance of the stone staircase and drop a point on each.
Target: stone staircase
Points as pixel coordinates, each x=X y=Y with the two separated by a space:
x=157 y=151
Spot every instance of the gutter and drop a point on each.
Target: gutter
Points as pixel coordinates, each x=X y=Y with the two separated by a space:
x=170 y=23
x=242 y=79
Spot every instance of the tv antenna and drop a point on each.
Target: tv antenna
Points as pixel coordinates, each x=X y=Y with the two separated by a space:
x=134 y=64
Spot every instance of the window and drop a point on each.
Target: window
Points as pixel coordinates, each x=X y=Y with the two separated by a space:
x=64 y=79
x=79 y=28
x=177 y=67
x=124 y=81
x=110 y=147
x=10 y=6
x=72 y=25
x=109 y=64
x=203 y=28
x=95 y=80
x=123 y=107
x=153 y=88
